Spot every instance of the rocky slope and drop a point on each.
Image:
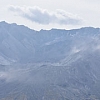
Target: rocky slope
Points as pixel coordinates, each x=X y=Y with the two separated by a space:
x=49 y=64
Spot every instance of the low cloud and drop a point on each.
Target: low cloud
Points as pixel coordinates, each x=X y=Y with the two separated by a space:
x=11 y=75
x=43 y=16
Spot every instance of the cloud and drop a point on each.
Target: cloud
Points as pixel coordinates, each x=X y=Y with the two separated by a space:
x=11 y=75
x=43 y=16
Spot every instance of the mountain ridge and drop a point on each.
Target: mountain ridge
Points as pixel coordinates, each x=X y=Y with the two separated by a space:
x=49 y=64
x=26 y=38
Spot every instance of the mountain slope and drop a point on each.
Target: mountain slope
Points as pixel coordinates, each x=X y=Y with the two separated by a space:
x=49 y=64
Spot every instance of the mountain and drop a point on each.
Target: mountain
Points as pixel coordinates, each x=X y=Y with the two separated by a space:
x=51 y=64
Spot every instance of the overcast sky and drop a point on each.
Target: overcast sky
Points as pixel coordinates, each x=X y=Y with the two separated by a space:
x=47 y=14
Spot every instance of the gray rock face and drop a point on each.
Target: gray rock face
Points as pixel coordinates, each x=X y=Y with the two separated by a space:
x=49 y=65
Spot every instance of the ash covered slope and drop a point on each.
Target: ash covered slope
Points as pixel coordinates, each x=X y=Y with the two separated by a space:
x=21 y=44
x=49 y=65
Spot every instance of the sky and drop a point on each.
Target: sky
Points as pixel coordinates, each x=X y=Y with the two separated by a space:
x=48 y=14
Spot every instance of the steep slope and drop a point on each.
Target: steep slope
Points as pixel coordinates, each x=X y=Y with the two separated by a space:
x=21 y=44
x=49 y=65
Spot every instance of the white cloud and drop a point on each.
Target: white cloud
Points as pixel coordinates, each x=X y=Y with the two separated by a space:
x=43 y=16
